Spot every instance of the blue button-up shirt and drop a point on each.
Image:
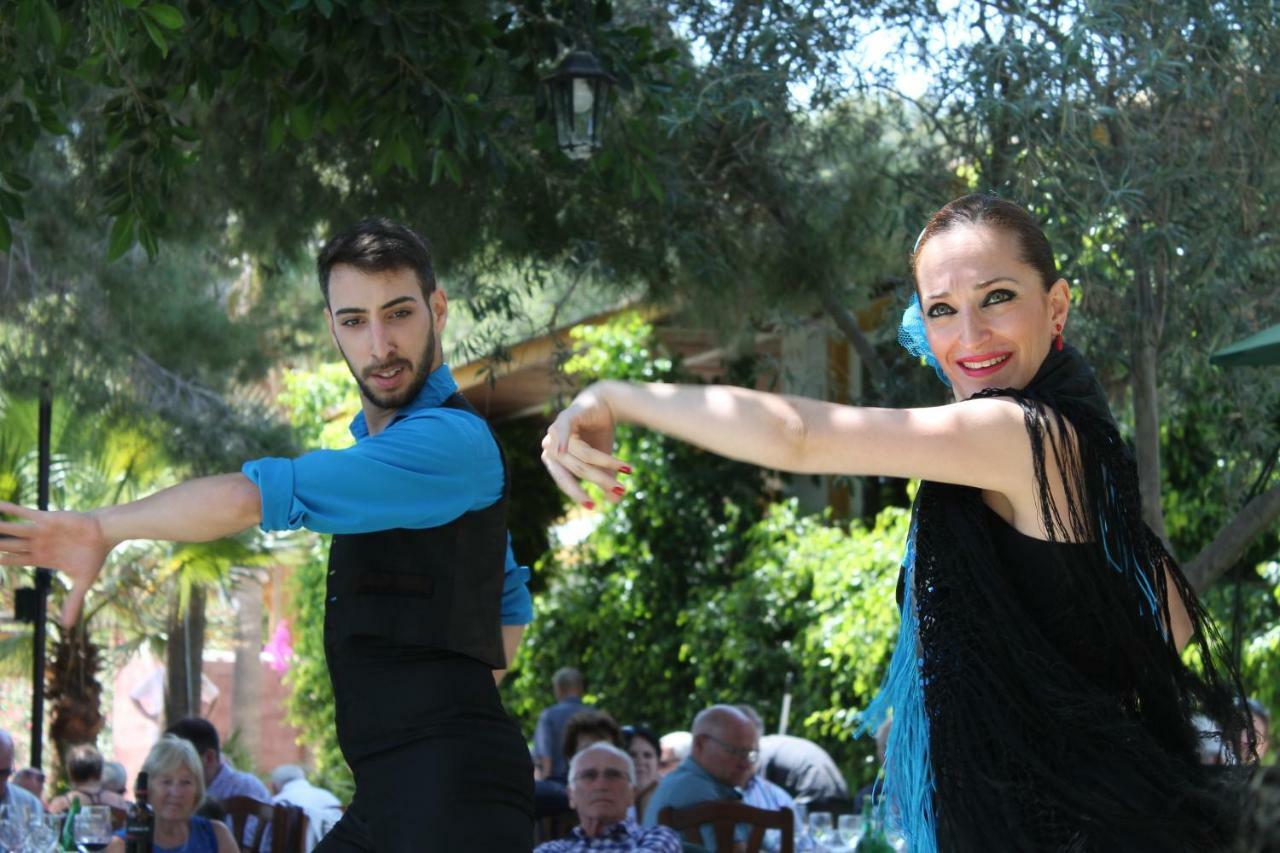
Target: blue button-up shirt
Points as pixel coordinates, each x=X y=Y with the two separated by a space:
x=689 y=785
x=428 y=467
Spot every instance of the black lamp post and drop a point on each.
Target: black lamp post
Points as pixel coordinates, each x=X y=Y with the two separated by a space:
x=579 y=97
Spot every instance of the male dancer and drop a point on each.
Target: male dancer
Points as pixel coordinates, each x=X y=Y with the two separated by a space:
x=424 y=600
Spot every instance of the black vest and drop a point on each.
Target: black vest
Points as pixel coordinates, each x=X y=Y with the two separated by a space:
x=438 y=588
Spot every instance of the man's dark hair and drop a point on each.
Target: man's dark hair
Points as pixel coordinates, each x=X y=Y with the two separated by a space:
x=377 y=245
x=598 y=724
x=84 y=764
x=199 y=731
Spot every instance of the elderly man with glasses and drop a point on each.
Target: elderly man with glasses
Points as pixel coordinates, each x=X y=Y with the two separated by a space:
x=602 y=782
x=723 y=760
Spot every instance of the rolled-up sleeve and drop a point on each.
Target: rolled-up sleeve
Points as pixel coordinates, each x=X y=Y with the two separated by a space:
x=423 y=471
x=517 y=604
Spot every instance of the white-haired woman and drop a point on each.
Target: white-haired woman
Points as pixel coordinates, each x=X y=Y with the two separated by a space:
x=175 y=787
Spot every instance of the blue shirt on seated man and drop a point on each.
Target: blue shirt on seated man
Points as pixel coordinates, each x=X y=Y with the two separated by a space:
x=723 y=759
x=602 y=781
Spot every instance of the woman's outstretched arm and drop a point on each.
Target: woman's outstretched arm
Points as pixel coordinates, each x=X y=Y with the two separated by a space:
x=981 y=443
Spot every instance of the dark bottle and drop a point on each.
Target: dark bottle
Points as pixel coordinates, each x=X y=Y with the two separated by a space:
x=139 y=826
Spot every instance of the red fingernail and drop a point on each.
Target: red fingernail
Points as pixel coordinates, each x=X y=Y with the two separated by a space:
x=589 y=504
x=619 y=490
x=625 y=469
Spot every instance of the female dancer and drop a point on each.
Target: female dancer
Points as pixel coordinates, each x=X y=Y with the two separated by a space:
x=1039 y=698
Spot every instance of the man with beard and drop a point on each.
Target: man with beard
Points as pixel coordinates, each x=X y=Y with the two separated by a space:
x=424 y=601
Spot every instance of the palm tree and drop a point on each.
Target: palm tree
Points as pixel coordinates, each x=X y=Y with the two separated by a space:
x=147 y=590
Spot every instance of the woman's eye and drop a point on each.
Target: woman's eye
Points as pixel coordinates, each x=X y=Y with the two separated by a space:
x=997 y=296
x=939 y=309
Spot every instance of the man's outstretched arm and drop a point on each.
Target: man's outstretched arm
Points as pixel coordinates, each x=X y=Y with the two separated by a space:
x=77 y=543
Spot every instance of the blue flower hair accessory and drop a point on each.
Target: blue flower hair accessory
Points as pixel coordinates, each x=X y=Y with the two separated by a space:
x=911 y=336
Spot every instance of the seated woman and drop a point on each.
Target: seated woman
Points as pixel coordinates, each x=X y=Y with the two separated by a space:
x=175 y=786
x=84 y=766
x=643 y=747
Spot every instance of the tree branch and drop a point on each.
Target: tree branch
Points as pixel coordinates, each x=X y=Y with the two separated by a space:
x=848 y=324
x=1232 y=540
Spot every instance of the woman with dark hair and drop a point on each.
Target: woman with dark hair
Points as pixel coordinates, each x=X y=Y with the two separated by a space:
x=644 y=748
x=1038 y=694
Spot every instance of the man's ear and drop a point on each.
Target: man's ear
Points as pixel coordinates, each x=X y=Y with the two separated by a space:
x=439 y=302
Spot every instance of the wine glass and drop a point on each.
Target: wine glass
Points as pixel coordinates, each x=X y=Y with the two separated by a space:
x=820 y=827
x=847 y=825
x=93 y=828
x=42 y=834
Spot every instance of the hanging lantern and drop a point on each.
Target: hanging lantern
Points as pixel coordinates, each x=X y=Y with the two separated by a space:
x=579 y=96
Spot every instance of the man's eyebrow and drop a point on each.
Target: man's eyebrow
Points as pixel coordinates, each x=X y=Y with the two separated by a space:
x=382 y=307
x=943 y=294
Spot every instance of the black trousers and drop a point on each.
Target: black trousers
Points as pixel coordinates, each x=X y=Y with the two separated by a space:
x=439 y=765
x=440 y=796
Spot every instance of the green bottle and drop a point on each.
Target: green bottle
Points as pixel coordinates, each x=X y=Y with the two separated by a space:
x=68 y=841
x=873 y=839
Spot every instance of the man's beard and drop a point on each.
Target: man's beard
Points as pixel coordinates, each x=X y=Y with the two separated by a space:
x=400 y=398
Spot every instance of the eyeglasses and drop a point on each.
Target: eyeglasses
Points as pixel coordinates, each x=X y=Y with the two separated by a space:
x=611 y=774
x=751 y=755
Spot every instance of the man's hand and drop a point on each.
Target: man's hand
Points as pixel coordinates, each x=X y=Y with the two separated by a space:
x=71 y=542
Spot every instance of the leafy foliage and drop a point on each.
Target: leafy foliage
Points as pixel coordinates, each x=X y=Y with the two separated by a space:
x=320 y=404
x=694 y=590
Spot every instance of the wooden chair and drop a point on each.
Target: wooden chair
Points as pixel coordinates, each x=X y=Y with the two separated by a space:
x=239 y=810
x=288 y=829
x=553 y=827
x=724 y=816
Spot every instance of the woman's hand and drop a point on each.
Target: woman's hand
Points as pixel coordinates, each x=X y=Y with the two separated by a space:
x=71 y=542
x=578 y=448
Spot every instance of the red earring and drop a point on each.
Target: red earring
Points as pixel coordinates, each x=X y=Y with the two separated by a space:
x=1057 y=340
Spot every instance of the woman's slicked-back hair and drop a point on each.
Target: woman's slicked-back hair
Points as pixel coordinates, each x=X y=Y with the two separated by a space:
x=377 y=245
x=991 y=210
x=172 y=752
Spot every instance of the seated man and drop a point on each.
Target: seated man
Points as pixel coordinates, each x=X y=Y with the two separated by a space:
x=601 y=787
x=722 y=760
x=290 y=786
x=675 y=748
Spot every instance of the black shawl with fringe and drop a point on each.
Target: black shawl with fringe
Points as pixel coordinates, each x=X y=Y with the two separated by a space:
x=1060 y=713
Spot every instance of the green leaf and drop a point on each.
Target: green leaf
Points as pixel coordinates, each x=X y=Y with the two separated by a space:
x=651 y=182
x=11 y=205
x=300 y=121
x=325 y=7
x=121 y=236
x=157 y=37
x=299 y=5
x=401 y=153
x=275 y=132
x=49 y=20
x=6 y=236
x=17 y=182
x=165 y=15
x=131 y=4
x=186 y=133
